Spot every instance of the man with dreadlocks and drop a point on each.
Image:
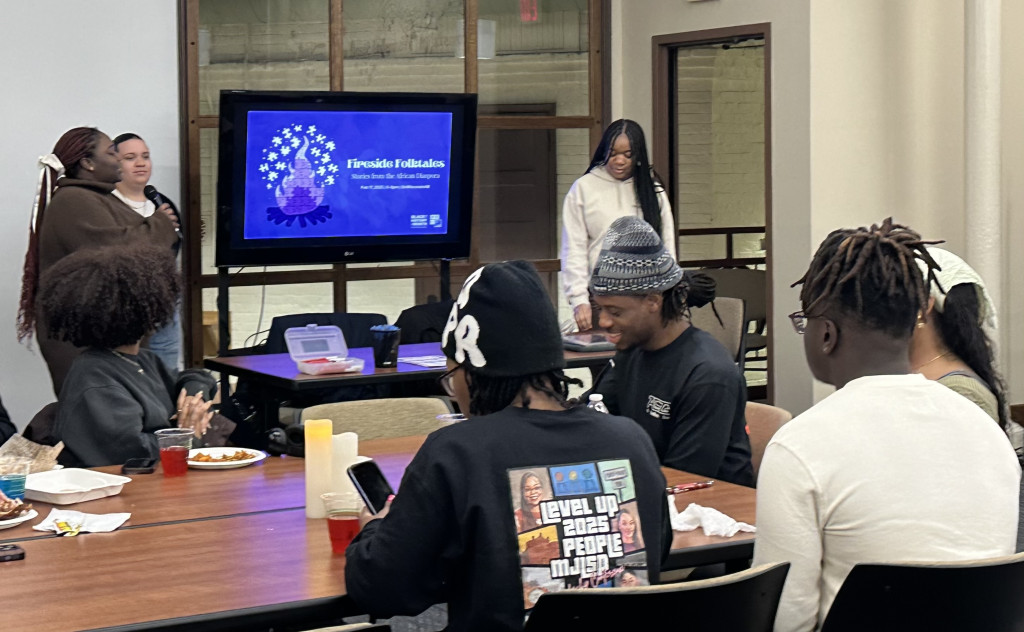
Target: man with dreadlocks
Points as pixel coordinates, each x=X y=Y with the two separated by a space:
x=452 y=534
x=672 y=378
x=892 y=466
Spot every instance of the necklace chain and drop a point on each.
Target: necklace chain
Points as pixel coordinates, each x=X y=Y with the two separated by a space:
x=941 y=355
x=130 y=361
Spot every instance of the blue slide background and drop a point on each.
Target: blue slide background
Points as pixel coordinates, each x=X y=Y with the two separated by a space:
x=356 y=209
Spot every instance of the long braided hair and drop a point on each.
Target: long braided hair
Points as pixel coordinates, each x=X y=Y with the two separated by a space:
x=489 y=394
x=960 y=326
x=646 y=182
x=75 y=145
x=869 y=274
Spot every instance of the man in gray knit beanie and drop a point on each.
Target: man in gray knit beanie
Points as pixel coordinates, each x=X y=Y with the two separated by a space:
x=675 y=380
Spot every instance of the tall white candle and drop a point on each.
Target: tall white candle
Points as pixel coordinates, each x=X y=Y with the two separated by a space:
x=345 y=447
x=318 y=465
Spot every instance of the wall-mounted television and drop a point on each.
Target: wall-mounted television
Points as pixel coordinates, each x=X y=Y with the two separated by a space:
x=336 y=177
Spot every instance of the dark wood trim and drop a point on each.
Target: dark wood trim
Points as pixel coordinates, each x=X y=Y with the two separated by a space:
x=662 y=136
x=335 y=45
x=534 y=122
x=724 y=230
x=191 y=255
x=336 y=31
x=470 y=71
x=766 y=29
x=727 y=262
x=326 y=275
x=595 y=41
x=604 y=115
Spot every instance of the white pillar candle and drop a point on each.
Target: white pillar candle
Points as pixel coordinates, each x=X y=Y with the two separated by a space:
x=344 y=449
x=318 y=465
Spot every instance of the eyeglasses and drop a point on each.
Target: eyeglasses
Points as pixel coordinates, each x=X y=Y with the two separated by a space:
x=447 y=381
x=799 y=321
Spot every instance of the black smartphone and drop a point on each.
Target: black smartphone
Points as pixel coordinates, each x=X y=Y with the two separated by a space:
x=141 y=465
x=11 y=552
x=371 y=485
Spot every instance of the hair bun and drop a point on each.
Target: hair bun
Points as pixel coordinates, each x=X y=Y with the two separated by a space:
x=700 y=288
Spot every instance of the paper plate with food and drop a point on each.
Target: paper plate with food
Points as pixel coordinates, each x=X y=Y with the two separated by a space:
x=223 y=458
x=14 y=512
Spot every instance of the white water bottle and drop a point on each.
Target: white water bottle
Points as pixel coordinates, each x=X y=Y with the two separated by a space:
x=597 y=403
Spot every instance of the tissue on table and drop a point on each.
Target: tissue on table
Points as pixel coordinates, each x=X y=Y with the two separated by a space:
x=77 y=521
x=713 y=522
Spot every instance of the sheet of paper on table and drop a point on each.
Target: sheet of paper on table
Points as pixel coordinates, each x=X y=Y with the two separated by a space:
x=429 y=362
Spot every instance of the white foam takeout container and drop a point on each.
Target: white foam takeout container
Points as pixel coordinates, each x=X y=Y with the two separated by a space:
x=72 y=485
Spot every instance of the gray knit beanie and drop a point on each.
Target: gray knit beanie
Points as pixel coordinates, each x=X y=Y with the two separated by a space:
x=633 y=261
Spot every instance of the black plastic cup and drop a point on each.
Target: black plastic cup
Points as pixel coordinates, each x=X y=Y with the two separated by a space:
x=385 y=345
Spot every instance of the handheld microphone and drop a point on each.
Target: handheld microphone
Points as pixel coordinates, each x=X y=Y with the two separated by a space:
x=154 y=196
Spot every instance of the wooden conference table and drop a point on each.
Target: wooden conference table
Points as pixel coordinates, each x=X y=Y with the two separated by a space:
x=230 y=543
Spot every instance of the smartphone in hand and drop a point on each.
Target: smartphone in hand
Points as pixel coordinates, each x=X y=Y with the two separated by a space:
x=371 y=485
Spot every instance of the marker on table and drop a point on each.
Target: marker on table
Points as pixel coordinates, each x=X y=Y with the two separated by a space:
x=689 y=487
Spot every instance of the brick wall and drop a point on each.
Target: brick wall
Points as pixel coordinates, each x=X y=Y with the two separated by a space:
x=720 y=127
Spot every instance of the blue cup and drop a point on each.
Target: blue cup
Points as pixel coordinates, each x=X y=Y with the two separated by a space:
x=13 y=472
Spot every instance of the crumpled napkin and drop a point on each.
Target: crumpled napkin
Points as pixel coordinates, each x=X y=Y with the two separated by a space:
x=78 y=521
x=713 y=522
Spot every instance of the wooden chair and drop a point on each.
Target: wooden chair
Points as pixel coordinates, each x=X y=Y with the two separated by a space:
x=972 y=595
x=742 y=601
x=382 y=418
x=751 y=286
x=762 y=423
x=729 y=332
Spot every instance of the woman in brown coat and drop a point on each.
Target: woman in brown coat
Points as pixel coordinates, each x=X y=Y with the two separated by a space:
x=76 y=210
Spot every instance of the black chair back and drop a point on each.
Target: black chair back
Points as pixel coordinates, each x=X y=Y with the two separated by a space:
x=355 y=328
x=743 y=601
x=976 y=595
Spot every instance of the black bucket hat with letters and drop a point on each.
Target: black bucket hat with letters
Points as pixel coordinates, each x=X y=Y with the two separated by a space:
x=503 y=323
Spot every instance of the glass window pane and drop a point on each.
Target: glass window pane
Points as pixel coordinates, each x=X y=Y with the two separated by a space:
x=535 y=52
x=719 y=112
x=701 y=247
x=252 y=307
x=407 y=46
x=261 y=45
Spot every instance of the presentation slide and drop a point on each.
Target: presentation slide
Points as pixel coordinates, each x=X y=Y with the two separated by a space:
x=346 y=174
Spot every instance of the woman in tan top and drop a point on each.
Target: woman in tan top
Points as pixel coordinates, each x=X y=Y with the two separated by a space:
x=79 y=176
x=951 y=343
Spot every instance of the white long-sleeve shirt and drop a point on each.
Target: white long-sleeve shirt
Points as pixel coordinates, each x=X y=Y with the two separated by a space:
x=595 y=201
x=890 y=468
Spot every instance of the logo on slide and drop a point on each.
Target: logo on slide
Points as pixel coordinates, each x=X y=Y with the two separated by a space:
x=297 y=166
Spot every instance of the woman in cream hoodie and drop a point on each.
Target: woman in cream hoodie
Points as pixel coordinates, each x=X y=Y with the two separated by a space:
x=619 y=182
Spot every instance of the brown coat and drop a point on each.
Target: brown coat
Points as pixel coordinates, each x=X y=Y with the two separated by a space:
x=84 y=214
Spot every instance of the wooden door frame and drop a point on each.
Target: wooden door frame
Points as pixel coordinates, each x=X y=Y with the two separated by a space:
x=664 y=89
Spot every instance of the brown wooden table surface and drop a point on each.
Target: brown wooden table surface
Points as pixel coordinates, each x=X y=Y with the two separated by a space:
x=275 y=484
x=176 y=570
x=223 y=540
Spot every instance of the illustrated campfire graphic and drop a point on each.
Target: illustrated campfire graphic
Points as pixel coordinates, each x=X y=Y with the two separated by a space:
x=298 y=168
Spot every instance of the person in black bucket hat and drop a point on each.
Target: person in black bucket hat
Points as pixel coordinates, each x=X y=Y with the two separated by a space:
x=474 y=522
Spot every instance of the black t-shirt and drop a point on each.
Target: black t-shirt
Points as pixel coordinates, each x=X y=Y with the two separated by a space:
x=690 y=397
x=453 y=533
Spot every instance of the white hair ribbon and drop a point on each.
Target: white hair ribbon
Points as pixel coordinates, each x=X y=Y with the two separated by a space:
x=47 y=162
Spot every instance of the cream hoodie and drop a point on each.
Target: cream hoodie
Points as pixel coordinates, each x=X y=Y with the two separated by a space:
x=595 y=201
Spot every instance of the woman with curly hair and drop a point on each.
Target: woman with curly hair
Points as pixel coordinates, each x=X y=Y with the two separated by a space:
x=116 y=395
x=79 y=176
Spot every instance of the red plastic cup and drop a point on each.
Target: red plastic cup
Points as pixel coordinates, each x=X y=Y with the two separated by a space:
x=342 y=519
x=174 y=447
